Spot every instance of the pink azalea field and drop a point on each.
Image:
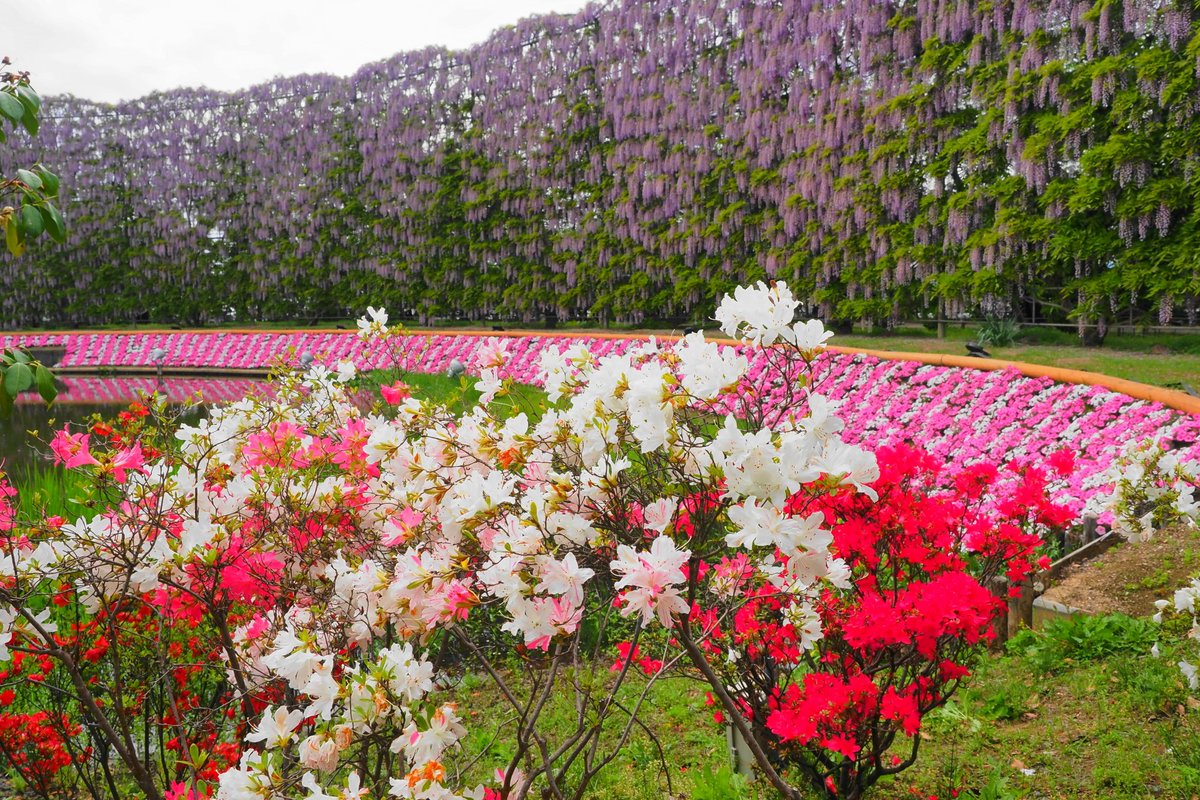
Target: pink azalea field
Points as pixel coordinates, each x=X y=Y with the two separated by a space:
x=960 y=415
x=112 y=389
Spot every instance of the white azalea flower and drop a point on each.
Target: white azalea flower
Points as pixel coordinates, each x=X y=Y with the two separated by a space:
x=276 y=727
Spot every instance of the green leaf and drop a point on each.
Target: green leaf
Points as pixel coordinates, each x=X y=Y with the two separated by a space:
x=49 y=180
x=31 y=221
x=13 y=238
x=45 y=384
x=54 y=223
x=21 y=356
x=31 y=109
x=27 y=95
x=30 y=121
x=6 y=402
x=11 y=107
x=30 y=179
x=17 y=379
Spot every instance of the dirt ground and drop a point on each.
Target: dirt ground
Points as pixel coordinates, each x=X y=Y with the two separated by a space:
x=1129 y=577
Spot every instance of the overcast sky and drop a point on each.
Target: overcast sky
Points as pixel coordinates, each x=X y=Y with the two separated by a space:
x=121 y=49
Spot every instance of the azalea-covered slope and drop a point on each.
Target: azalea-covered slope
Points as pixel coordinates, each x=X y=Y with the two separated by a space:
x=960 y=415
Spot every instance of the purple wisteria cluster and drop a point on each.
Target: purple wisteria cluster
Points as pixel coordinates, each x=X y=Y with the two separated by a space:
x=960 y=415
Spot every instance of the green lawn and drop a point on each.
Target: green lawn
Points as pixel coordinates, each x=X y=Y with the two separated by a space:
x=459 y=394
x=1081 y=712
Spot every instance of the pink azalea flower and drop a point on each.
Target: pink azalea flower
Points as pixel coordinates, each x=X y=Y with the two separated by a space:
x=131 y=459
x=399 y=527
x=396 y=393
x=71 y=449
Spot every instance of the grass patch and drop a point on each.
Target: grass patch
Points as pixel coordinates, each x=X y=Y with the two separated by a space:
x=693 y=746
x=1079 y=710
x=458 y=394
x=1126 y=356
x=44 y=490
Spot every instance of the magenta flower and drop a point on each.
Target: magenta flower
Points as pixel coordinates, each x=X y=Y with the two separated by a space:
x=71 y=449
x=396 y=393
x=127 y=460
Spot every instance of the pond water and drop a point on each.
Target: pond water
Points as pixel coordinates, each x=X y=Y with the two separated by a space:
x=81 y=396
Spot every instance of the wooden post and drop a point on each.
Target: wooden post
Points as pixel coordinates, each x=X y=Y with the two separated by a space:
x=1089 y=529
x=1020 y=609
x=739 y=752
x=999 y=588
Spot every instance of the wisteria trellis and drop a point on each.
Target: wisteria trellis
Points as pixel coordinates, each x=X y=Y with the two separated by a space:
x=636 y=159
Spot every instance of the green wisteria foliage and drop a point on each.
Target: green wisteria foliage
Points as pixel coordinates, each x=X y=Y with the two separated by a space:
x=912 y=158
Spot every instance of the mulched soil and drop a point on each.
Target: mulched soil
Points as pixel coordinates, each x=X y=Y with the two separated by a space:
x=1129 y=577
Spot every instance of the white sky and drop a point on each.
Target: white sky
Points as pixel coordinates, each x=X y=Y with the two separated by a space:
x=121 y=49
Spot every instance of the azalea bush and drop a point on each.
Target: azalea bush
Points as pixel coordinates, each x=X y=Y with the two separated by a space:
x=1152 y=485
x=259 y=605
x=1153 y=488
x=834 y=692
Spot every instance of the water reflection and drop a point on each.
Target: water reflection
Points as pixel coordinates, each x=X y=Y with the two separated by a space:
x=81 y=396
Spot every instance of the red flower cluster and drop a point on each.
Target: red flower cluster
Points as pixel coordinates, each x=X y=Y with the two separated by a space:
x=628 y=652
x=34 y=746
x=897 y=642
x=132 y=426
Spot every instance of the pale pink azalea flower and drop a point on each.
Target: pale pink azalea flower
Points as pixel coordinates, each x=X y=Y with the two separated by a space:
x=651 y=580
x=492 y=352
x=399 y=527
x=564 y=578
x=489 y=384
x=319 y=752
x=657 y=516
x=422 y=746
